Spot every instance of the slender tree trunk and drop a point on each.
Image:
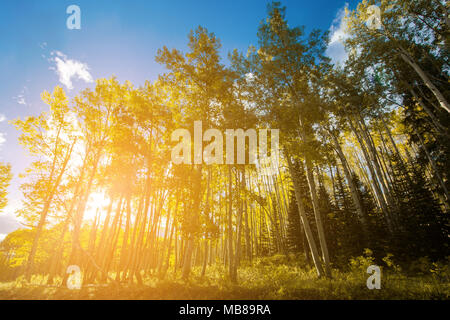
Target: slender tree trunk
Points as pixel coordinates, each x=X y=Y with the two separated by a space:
x=124 y=250
x=318 y=216
x=43 y=216
x=434 y=119
x=195 y=212
x=230 y=227
x=304 y=219
x=435 y=169
x=375 y=184
x=422 y=74
x=353 y=190
x=205 y=257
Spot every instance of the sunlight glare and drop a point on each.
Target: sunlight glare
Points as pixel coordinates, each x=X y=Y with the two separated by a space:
x=98 y=202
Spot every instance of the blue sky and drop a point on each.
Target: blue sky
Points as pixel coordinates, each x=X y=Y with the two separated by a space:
x=120 y=38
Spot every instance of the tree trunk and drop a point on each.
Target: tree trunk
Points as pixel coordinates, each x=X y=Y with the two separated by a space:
x=318 y=216
x=438 y=94
x=304 y=219
x=43 y=216
x=353 y=190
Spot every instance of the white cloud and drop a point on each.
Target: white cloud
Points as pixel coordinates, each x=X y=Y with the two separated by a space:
x=2 y=236
x=67 y=68
x=21 y=98
x=338 y=34
x=2 y=135
x=2 y=139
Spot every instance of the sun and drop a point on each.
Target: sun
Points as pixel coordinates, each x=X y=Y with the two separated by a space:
x=97 y=203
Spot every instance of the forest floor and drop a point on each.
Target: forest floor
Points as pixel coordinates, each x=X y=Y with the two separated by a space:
x=263 y=281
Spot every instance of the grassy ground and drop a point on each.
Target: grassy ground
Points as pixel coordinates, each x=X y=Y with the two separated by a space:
x=266 y=279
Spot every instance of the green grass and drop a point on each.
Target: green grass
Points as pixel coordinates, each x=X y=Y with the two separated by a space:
x=276 y=277
x=271 y=278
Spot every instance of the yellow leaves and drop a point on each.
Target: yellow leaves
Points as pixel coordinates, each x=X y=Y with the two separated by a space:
x=250 y=51
x=57 y=98
x=263 y=55
x=46 y=97
x=58 y=103
x=346 y=11
x=5 y=178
